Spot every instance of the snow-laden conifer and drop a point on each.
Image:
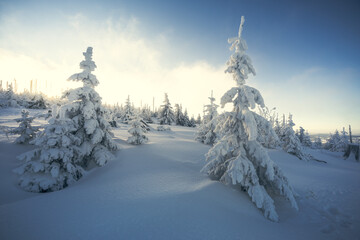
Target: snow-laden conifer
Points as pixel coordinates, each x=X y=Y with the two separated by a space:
x=25 y=130
x=206 y=133
x=266 y=128
x=166 y=114
x=145 y=114
x=128 y=112
x=307 y=140
x=77 y=137
x=198 y=119
x=290 y=142
x=192 y=122
x=238 y=158
x=188 y=122
x=179 y=115
x=54 y=164
x=317 y=143
x=301 y=134
x=337 y=142
x=137 y=131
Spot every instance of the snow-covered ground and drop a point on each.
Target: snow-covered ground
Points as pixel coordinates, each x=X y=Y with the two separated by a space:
x=156 y=191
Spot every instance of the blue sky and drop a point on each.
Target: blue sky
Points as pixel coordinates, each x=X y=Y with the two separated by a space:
x=306 y=53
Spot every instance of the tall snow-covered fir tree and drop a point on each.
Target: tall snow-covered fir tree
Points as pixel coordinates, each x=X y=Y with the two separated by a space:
x=26 y=131
x=76 y=138
x=166 y=114
x=238 y=158
x=206 y=133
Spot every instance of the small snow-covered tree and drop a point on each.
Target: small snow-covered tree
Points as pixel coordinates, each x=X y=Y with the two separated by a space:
x=192 y=122
x=277 y=127
x=336 y=143
x=128 y=112
x=238 y=158
x=317 y=143
x=25 y=130
x=145 y=114
x=179 y=115
x=137 y=131
x=77 y=137
x=206 y=132
x=166 y=114
x=9 y=93
x=198 y=119
x=267 y=135
x=307 y=140
x=344 y=138
x=290 y=142
x=187 y=120
x=54 y=164
x=301 y=134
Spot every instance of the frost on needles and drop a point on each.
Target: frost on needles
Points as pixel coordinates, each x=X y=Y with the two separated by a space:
x=238 y=158
x=77 y=138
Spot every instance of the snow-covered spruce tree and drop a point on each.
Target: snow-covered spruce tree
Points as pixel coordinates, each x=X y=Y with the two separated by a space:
x=192 y=122
x=179 y=116
x=166 y=114
x=55 y=163
x=187 y=120
x=198 y=119
x=25 y=130
x=307 y=140
x=128 y=112
x=277 y=127
x=290 y=142
x=266 y=134
x=9 y=94
x=237 y=158
x=206 y=133
x=336 y=143
x=145 y=114
x=266 y=128
x=77 y=137
x=301 y=134
x=317 y=143
x=137 y=131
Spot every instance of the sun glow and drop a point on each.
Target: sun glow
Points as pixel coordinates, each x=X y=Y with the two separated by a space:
x=127 y=64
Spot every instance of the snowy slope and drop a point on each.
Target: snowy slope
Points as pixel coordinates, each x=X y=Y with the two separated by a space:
x=155 y=191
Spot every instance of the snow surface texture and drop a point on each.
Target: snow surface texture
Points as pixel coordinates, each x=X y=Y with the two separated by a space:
x=77 y=137
x=156 y=192
x=238 y=158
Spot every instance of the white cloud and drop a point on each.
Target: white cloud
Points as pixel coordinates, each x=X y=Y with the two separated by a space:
x=132 y=63
x=129 y=63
